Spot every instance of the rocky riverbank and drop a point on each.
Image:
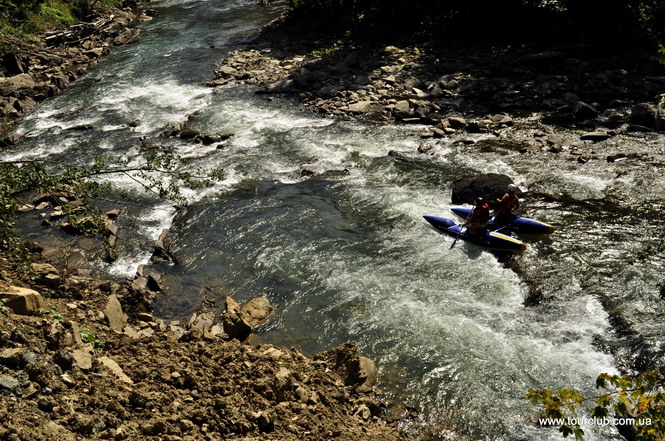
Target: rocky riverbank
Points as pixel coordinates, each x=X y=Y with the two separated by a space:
x=82 y=358
x=455 y=89
x=41 y=67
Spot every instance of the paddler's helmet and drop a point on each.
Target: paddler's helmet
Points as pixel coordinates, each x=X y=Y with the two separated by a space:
x=479 y=201
x=512 y=188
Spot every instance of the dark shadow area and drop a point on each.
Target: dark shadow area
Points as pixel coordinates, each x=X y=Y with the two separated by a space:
x=570 y=66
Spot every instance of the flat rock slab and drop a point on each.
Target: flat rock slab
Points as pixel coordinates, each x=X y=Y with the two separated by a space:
x=115 y=318
x=115 y=369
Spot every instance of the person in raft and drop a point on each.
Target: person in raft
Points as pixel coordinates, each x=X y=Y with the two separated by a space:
x=480 y=217
x=507 y=206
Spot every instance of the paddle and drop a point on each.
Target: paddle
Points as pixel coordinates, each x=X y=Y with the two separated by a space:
x=456 y=237
x=505 y=226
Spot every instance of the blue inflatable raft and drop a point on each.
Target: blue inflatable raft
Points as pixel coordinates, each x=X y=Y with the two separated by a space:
x=521 y=225
x=491 y=240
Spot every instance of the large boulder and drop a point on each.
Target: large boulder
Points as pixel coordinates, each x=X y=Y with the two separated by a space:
x=22 y=301
x=232 y=322
x=354 y=369
x=489 y=186
x=239 y=321
x=644 y=114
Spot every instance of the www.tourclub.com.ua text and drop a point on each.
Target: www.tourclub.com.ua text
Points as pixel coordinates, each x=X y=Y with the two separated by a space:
x=595 y=421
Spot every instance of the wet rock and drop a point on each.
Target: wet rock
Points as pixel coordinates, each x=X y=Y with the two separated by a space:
x=127 y=36
x=10 y=139
x=162 y=248
x=488 y=186
x=80 y=128
x=23 y=301
x=256 y=312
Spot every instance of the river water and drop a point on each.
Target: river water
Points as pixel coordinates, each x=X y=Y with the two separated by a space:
x=347 y=256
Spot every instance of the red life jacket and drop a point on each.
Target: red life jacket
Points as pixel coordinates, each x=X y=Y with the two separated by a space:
x=508 y=204
x=484 y=213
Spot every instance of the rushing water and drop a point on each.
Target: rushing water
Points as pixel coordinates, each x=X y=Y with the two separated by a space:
x=347 y=256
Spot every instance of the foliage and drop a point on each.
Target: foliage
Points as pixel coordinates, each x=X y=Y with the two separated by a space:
x=32 y=16
x=158 y=173
x=3 y=309
x=55 y=315
x=640 y=398
x=93 y=339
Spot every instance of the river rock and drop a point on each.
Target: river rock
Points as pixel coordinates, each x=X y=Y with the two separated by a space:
x=23 y=301
x=488 y=186
x=256 y=312
x=127 y=36
x=233 y=323
x=354 y=369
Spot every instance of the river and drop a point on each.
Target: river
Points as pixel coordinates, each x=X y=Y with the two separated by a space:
x=347 y=256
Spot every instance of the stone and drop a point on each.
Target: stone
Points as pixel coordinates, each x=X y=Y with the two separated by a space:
x=82 y=359
x=489 y=186
x=17 y=358
x=10 y=139
x=644 y=114
x=361 y=107
x=115 y=369
x=202 y=320
x=233 y=324
x=256 y=311
x=595 y=136
x=9 y=383
x=23 y=301
x=354 y=369
x=127 y=36
x=457 y=122
x=115 y=318
x=327 y=91
x=284 y=85
x=352 y=60
x=47 y=274
x=583 y=111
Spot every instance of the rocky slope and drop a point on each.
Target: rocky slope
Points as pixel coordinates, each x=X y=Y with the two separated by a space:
x=75 y=366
